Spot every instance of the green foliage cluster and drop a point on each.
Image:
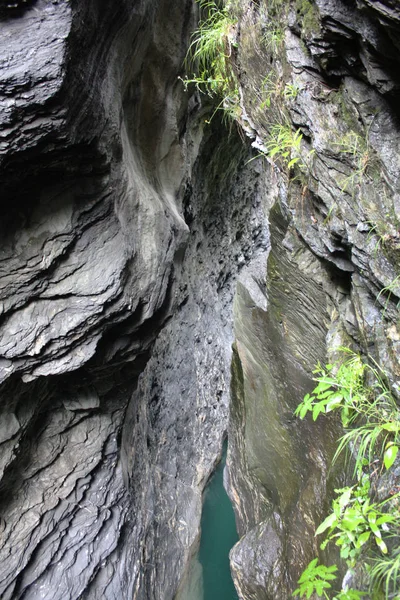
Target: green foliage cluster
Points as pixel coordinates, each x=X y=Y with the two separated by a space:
x=357 y=525
x=210 y=60
x=386 y=234
x=273 y=38
x=354 y=520
x=209 y=57
x=273 y=15
x=391 y=289
x=291 y=90
x=316 y=579
x=284 y=144
x=362 y=156
x=272 y=91
x=369 y=411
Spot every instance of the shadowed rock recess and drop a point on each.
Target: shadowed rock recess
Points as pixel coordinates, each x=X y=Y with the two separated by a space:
x=138 y=242
x=124 y=225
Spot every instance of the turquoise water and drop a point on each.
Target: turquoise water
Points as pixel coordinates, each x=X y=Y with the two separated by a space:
x=218 y=535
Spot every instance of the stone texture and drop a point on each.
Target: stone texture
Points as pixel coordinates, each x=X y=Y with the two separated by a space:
x=332 y=272
x=178 y=415
x=124 y=225
x=280 y=472
x=125 y=222
x=91 y=235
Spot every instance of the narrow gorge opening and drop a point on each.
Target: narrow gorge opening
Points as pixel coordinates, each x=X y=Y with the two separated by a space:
x=218 y=536
x=200 y=214
x=209 y=576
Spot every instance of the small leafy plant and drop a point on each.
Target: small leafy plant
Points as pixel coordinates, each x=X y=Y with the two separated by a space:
x=364 y=161
x=273 y=39
x=271 y=89
x=284 y=144
x=354 y=520
x=317 y=579
x=357 y=525
x=291 y=91
x=372 y=405
x=391 y=289
x=385 y=573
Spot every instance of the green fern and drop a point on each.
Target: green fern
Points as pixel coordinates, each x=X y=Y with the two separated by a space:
x=210 y=52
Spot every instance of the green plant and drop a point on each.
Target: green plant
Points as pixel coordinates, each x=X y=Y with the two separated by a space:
x=393 y=288
x=339 y=387
x=349 y=594
x=372 y=440
x=273 y=13
x=385 y=572
x=356 y=148
x=365 y=163
x=315 y=579
x=209 y=57
x=358 y=390
x=354 y=520
x=291 y=91
x=273 y=38
x=386 y=235
x=308 y=16
x=344 y=388
x=284 y=144
x=271 y=87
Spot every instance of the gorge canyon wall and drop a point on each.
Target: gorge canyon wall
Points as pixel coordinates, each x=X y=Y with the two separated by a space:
x=141 y=239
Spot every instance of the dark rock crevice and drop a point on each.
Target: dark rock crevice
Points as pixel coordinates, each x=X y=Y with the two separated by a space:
x=126 y=222
x=116 y=316
x=177 y=418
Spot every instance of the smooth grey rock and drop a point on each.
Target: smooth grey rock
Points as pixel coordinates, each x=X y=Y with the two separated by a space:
x=257 y=563
x=9 y=426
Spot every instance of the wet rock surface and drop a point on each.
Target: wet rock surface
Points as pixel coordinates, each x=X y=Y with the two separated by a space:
x=125 y=223
x=119 y=253
x=280 y=468
x=332 y=272
x=178 y=415
x=89 y=242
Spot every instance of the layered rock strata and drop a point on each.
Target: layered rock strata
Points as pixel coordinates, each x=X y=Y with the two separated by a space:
x=126 y=220
x=321 y=77
x=119 y=254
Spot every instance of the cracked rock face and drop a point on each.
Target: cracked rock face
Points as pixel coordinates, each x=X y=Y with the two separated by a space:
x=332 y=274
x=91 y=237
x=124 y=226
x=92 y=222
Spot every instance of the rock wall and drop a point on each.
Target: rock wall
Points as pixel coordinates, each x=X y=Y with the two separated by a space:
x=126 y=221
x=91 y=169
x=280 y=468
x=317 y=86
